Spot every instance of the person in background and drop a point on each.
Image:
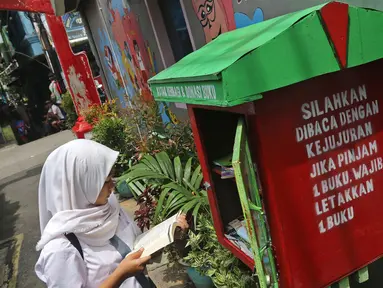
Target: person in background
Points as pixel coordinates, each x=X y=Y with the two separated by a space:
x=35 y=124
x=54 y=118
x=86 y=237
x=100 y=91
x=54 y=87
x=19 y=127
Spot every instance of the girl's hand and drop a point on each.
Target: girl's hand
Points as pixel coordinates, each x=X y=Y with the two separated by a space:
x=182 y=222
x=128 y=267
x=133 y=264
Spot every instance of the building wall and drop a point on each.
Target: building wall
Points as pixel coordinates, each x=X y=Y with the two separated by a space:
x=121 y=46
x=132 y=44
x=234 y=14
x=22 y=34
x=127 y=47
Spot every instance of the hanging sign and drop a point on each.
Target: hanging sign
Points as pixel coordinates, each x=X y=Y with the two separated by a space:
x=74 y=26
x=204 y=92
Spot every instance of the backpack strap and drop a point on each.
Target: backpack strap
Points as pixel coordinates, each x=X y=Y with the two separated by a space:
x=74 y=241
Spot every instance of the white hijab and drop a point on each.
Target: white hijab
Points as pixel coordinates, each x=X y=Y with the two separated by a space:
x=71 y=180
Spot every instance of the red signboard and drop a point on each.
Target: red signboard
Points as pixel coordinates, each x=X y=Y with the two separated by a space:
x=321 y=148
x=41 y=6
x=76 y=68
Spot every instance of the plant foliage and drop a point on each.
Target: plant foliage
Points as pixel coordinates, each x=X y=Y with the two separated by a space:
x=149 y=135
x=147 y=202
x=68 y=106
x=181 y=186
x=96 y=112
x=211 y=259
x=110 y=131
x=138 y=130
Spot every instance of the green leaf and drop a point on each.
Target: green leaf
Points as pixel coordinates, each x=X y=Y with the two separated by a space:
x=188 y=168
x=171 y=197
x=173 y=202
x=136 y=175
x=178 y=169
x=196 y=174
x=210 y=272
x=160 y=202
x=198 y=182
x=195 y=212
x=176 y=207
x=123 y=177
x=177 y=187
x=165 y=164
x=187 y=207
x=139 y=166
x=150 y=161
x=140 y=186
x=188 y=185
x=136 y=191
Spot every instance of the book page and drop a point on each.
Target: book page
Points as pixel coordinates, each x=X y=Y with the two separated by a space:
x=156 y=238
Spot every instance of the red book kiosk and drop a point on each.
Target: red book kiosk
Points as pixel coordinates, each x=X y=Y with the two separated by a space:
x=292 y=106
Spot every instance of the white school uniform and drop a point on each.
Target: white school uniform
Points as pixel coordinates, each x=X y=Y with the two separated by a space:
x=61 y=265
x=71 y=180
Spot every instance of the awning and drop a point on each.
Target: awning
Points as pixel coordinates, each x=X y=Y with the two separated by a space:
x=241 y=65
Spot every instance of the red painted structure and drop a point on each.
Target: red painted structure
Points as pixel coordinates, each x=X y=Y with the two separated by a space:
x=335 y=19
x=248 y=111
x=77 y=71
x=325 y=224
x=320 y=224
x=76 y=68
x=38 y=6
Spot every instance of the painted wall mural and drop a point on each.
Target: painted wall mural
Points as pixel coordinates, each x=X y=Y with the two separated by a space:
x=128 y=56
x=220 y=16
x=131 y=51
x=243 y=19
x=211 y=18
x=111 y=70
x=215 y=17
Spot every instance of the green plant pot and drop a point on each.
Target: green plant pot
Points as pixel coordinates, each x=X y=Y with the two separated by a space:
x=124 y=190
x=200 y=281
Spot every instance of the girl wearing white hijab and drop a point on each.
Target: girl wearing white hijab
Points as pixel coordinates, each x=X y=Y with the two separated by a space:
x=76 y=200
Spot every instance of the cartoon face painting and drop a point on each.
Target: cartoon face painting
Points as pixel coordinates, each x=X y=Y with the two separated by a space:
x=212 y=16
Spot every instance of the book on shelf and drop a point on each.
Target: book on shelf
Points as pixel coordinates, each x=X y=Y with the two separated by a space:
x=240 y=227
x=236 y=232
x=225 y=166
x=225 y=161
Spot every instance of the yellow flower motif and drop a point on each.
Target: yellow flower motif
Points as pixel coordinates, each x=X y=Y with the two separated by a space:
x=173 y=117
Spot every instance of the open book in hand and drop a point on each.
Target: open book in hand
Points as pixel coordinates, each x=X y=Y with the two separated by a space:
x=157 y=238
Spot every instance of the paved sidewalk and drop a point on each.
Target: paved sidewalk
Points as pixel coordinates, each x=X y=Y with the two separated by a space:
x=15 y=159
x=20 y=168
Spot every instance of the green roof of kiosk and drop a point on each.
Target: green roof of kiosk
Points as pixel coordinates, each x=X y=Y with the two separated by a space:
x=240 y=65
